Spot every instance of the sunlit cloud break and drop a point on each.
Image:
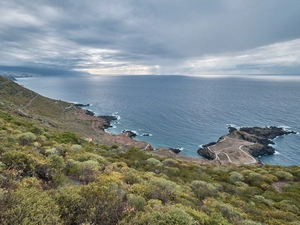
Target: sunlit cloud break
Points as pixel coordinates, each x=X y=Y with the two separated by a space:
x=271 y=59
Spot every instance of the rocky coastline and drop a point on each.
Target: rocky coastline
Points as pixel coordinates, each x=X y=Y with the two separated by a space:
x=257 y=141
x=106 y=118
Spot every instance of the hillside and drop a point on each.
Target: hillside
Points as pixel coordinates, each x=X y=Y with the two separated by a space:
x=52 y=173
x=58 y=115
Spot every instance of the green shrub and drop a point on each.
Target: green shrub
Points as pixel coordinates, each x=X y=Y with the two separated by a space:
x=283 y=175
x=162 y=189
x=26 y=138
x=170 y=162
x=30 y=206
x=89 y=156
x=235 y=177
x=262 y=199
x=131 y=177
x=114 y=147
x=104 y=147
x=51 y=151
x=203 y=189
x=136 y=201
x=255 y=179
x=36 y=130
x=19 y=161
x=66 y=137
x=155 y=213
x=154 y=162
x=42 y=138
x=75 y=148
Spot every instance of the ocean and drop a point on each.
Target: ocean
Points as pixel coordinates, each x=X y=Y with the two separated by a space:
x=186 y=112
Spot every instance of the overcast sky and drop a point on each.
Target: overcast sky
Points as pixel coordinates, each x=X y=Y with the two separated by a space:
x=187 y=37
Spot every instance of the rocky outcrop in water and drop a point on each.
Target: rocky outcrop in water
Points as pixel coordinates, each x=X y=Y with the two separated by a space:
x=175 y=150
x=129 y=133
x=260 y=137
x=82 y=105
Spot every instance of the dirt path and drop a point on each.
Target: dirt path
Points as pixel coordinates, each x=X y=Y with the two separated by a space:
x=29 y=103
x=231 y=148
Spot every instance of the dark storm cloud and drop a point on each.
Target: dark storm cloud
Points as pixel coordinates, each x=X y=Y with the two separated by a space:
x=157 y=36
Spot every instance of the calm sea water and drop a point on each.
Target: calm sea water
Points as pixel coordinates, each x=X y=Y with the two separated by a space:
x=185 y=112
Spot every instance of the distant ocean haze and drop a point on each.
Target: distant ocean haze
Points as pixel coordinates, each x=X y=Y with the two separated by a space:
x=185 y=112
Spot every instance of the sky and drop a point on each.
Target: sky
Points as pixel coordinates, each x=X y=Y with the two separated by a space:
x=161 y=37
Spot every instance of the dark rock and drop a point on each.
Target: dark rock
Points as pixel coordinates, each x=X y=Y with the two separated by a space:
x=266 y=132
x=129 y=133
x=206 y=153
x=231 y=129
x=107 y=120
x=175 y=150
x=89 y=112
x=82 y=105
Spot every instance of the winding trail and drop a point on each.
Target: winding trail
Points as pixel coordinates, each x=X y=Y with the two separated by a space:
x=29 y=103
x=250 y=156
x=228 y=148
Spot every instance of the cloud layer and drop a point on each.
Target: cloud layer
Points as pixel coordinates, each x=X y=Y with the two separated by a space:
x=152 y=37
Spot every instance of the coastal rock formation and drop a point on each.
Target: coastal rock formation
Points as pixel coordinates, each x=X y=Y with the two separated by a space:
x=243 y=143
x=262 y=137
x=206 y=153
x=108 y=120
x=175 y=150
x=129 y=133
x=82 y=105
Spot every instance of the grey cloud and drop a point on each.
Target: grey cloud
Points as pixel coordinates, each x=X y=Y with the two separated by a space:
x=95 y=34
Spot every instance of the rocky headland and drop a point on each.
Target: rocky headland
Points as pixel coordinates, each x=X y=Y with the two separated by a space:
x=240 y=146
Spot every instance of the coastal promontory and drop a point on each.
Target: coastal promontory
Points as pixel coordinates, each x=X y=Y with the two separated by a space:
x=241 y=146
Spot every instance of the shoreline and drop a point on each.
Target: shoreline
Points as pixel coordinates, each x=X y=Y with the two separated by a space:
x=248 y=147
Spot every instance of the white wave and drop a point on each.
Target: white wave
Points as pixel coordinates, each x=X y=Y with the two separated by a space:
x=277 y=153
x=285 y=128
x=147 y=134
x=232 y=125
x=117 y=116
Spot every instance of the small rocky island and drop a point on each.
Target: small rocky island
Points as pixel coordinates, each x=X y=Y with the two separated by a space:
x=240 y=146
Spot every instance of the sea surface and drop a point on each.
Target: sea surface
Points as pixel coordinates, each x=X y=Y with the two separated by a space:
x=186 y=112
